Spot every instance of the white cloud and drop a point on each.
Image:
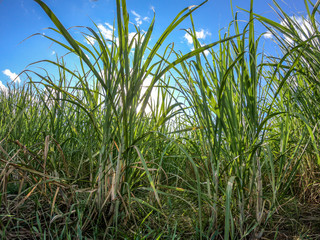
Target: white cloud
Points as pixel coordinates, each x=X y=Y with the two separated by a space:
x=268 y=35
x=53 y=53
x=302 y=26
x=134 y=35
x=153 y=96
x=139 y=22
x=188 y=37
x=3 y=88
x=206 y=52
x=13 y=76
x=202 y=34
x=106 y=32
x=90 y=40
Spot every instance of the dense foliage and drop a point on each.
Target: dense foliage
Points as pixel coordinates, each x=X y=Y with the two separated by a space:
x=228 y=148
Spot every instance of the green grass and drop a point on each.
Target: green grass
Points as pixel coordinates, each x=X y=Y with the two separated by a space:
x=228 y=150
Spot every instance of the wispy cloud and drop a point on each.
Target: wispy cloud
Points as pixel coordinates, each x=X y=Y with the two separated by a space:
x=13 y=76
x=139 y=20
x=202 y=34
x=53 y=53
x=109 y=25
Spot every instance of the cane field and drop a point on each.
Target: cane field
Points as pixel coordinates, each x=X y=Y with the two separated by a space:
x=222 y=143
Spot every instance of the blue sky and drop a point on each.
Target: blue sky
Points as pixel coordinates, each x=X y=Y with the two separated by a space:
x=20 y=19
